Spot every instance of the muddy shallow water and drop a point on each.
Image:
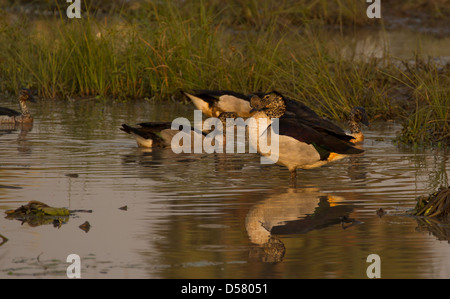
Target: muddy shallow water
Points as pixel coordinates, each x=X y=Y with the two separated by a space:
x=203 y=215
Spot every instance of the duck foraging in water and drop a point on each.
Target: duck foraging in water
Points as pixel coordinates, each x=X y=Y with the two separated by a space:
x=161 y=134
x=302 y=143
x=150 y=134
x=10 y=116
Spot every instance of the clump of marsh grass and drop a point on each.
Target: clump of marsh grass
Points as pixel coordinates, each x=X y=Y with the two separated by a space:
x=430 y=121
x=62 y=58
x=436 y=204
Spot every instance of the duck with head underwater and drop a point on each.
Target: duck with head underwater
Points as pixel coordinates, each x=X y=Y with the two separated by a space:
x=161 y=134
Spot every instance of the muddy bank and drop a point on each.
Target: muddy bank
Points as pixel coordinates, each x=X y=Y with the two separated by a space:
x=421 y=16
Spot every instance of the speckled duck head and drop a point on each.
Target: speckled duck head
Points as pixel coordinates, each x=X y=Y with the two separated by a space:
x=357 y=117
x=272 y=104
x=25 y=95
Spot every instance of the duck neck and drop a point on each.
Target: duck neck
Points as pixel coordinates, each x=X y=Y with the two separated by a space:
x=355 y=131
x=354 y=127
x=23 y=107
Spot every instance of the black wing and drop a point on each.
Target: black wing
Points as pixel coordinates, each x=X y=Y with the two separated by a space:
x=9 y=112
x=307 y=116
x=155 y=126
x=147 y=130
x=324 y=143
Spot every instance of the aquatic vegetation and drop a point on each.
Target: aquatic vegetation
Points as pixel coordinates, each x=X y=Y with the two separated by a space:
x=436 y=204
x=36 y=213
x=38 y=209
x=430 y=121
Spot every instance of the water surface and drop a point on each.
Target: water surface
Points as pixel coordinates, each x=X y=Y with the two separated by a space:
x=203 y=215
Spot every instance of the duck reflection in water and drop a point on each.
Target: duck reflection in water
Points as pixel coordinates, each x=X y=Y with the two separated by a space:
x=23 y=144
x=292 y=211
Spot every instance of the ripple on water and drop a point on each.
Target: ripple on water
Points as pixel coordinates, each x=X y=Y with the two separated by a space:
x=189 y=215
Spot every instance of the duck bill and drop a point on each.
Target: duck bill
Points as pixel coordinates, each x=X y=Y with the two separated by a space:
x=32 y=99
x=365 y=121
